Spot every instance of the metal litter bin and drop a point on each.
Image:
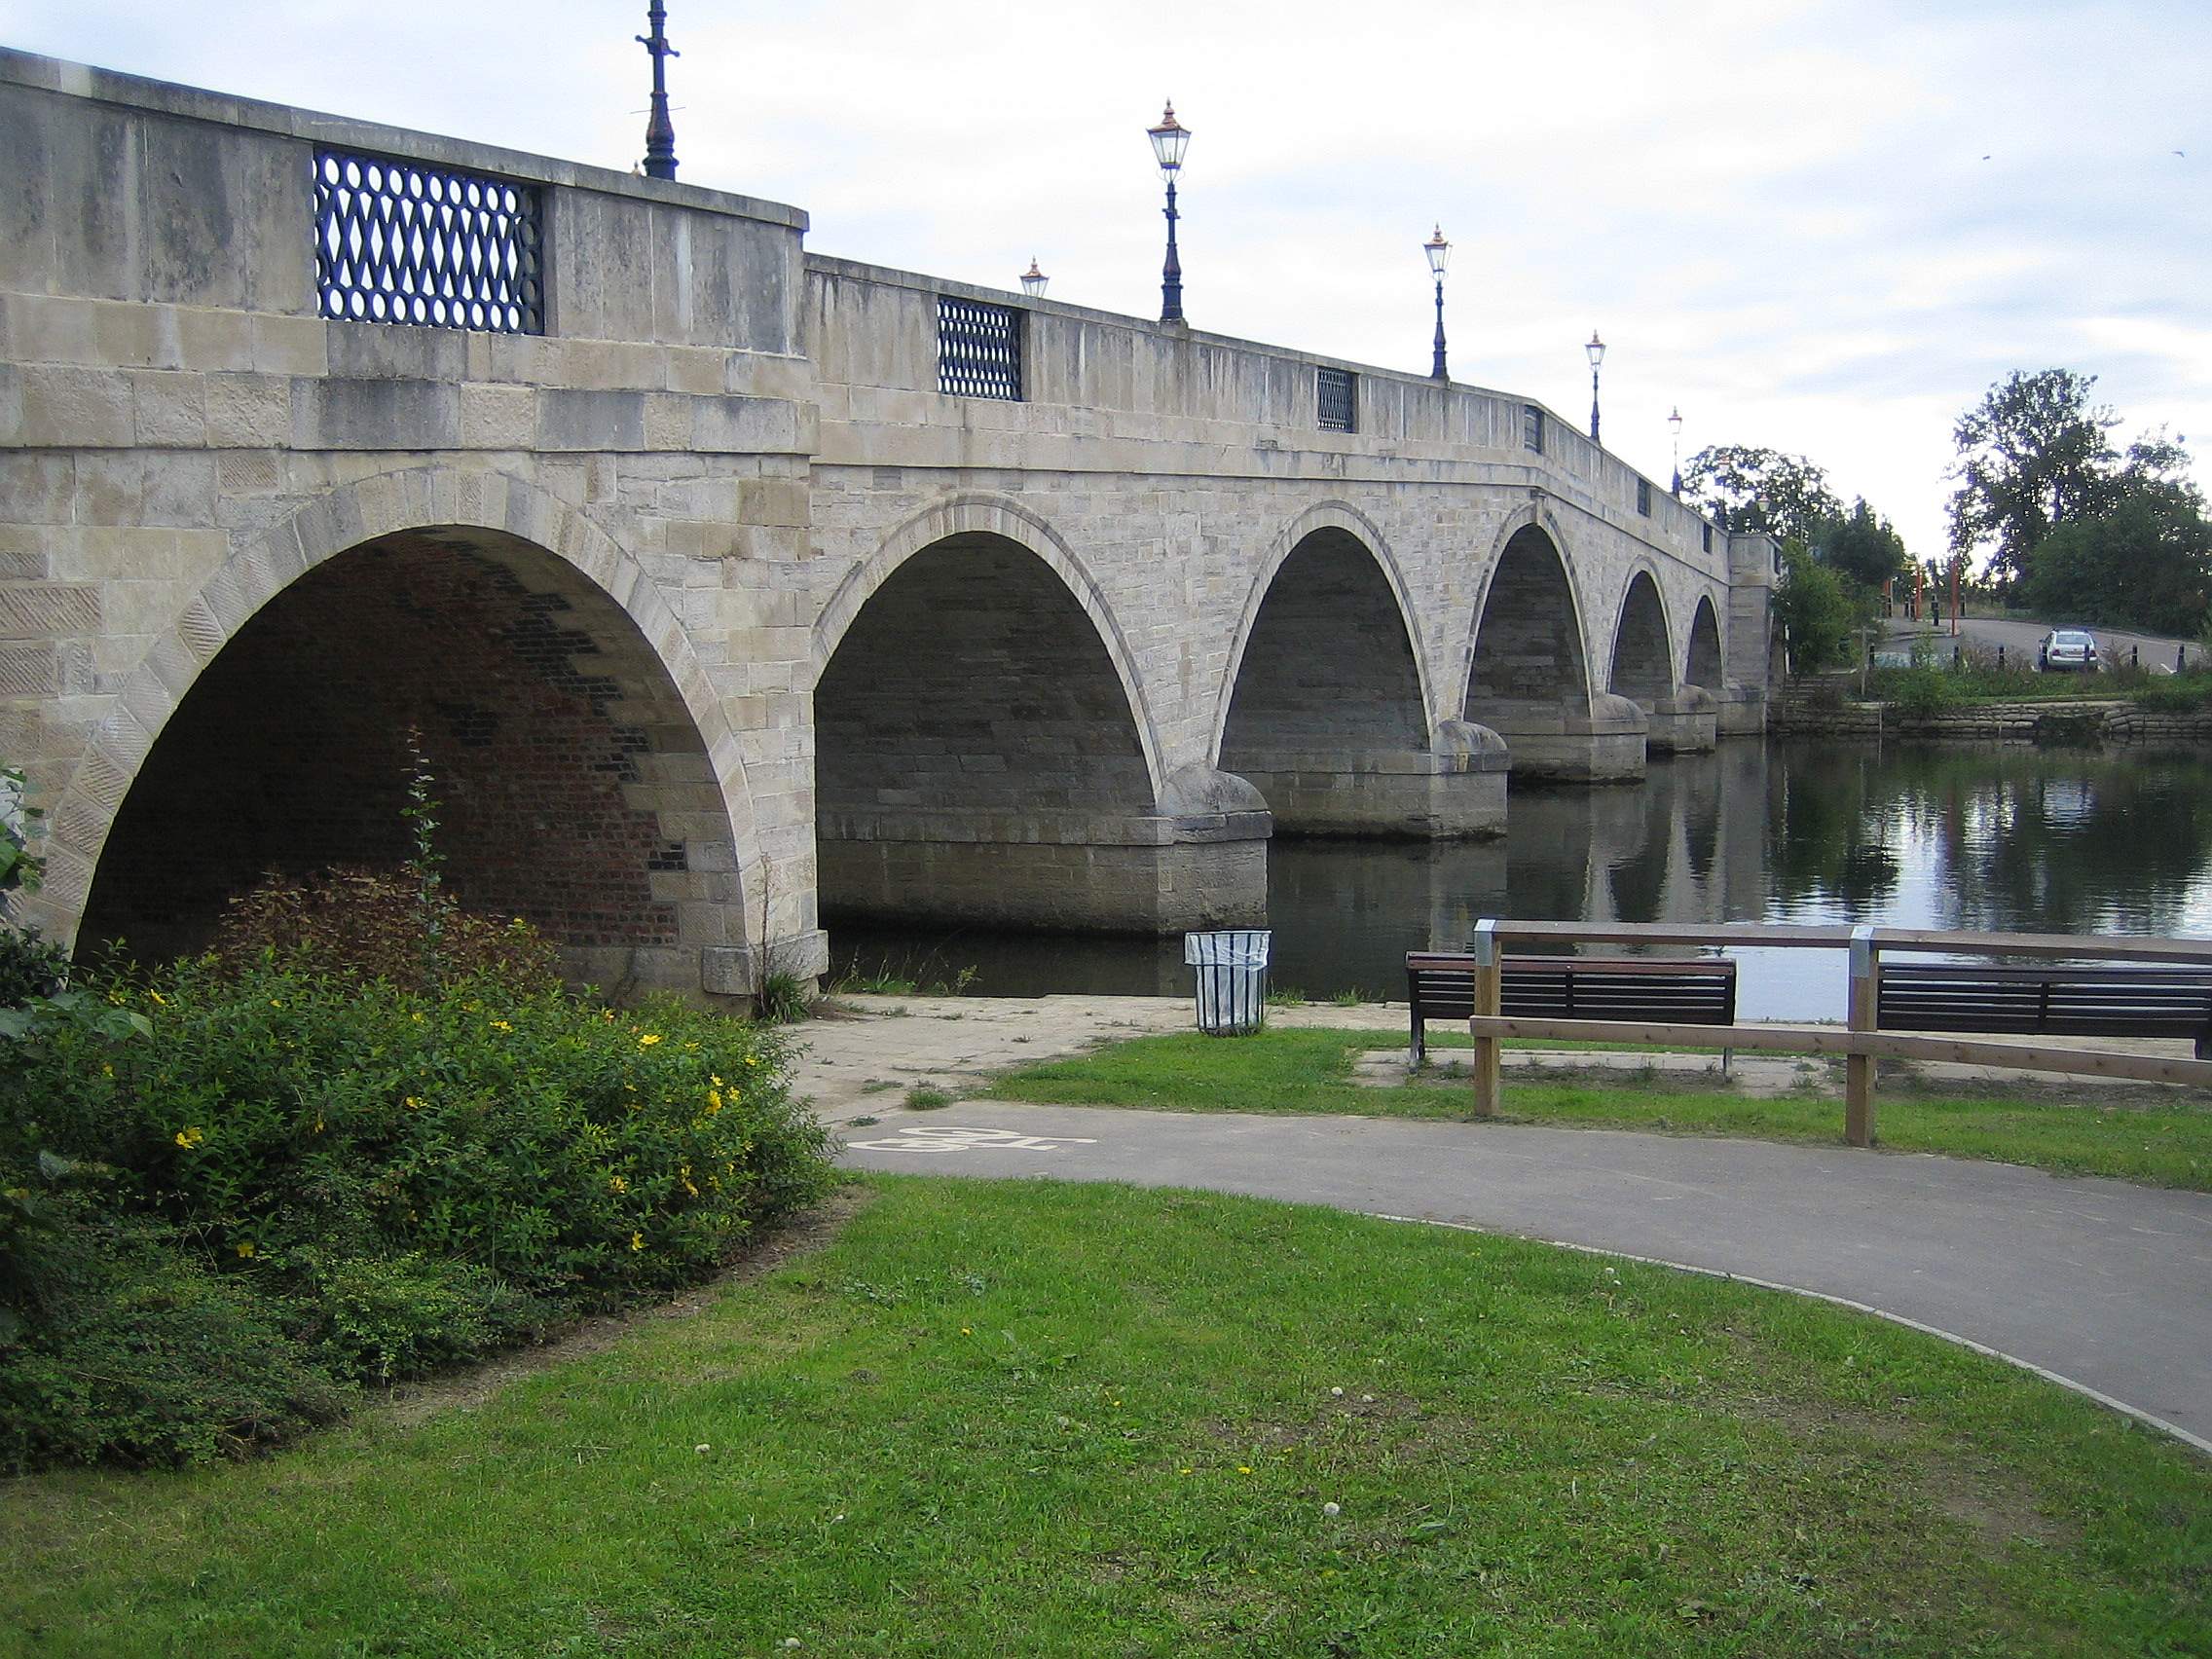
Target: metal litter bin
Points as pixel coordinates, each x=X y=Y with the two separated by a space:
x=1232 y=979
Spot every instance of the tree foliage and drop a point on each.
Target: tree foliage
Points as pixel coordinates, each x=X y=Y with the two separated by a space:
x=1748 y=488
x=2034 y=453
x=1815 y=611
x=1863 y=547
x=2146 y=559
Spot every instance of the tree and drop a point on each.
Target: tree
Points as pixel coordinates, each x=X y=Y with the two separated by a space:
x=1815 y=612
x=1749 y=489
x=1863 y=548
x=2146 y=560
x=2033 y=454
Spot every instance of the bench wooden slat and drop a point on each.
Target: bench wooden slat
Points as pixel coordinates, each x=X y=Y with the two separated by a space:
x=2066 y=1001
x=1699 y=990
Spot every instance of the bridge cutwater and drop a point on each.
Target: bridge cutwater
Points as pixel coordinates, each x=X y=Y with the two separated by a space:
x=728 y=584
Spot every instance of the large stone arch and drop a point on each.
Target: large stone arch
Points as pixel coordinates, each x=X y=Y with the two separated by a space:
x=1527 y=668
x=973 y=514
x=498 y=511
x=1347 y=520
x=984 y=754
x=1643 y=664
x=1327 y=703
x=1703 y=658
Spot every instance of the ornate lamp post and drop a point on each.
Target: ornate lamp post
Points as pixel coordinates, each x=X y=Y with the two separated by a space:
x=1597 y=350
x=1439 y=253
x=1675 y=425
x=1033 y=281
x=660 y=131
x=1169 y=139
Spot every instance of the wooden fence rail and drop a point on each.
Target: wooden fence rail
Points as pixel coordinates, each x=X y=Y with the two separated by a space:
x=1858 y=1040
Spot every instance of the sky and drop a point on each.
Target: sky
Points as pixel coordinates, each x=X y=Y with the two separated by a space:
x=1822 y=225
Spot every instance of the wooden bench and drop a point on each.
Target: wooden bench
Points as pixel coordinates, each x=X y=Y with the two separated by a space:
x=2068 y=1001
x=1695 y=990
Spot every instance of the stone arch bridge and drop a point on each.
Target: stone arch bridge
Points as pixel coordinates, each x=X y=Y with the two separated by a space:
x=729 y=585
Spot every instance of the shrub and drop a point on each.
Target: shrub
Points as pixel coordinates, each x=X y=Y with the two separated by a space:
x=31 y=967
x=372 y=924
x=1923 y=692
x=135 y=1349
x=2177 y=695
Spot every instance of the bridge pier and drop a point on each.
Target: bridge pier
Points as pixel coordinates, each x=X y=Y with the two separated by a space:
x=1454 y=789
x=1562 y=743
x=1740 y=711
x=1685 y=722
x=1198 y=860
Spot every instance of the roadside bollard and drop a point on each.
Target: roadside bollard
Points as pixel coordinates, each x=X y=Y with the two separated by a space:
x=2134 y=656
x=2000 y=659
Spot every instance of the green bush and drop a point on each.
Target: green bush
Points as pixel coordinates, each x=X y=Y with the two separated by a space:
x=31 y=967
x=391 y=1179
x=128 y=1347
x=1923 y=692
x=2177 y=695
x=371 y=924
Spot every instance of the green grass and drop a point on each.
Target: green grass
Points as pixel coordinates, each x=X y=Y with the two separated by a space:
x=1038 y=1418
x=2168 y=1144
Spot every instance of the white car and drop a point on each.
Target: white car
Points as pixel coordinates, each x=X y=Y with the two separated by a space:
x=2067 y=650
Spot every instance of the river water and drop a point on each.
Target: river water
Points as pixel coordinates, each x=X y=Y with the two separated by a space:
x=2004 y=838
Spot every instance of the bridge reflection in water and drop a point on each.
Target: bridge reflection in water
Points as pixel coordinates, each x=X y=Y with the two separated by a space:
x=1937 y=837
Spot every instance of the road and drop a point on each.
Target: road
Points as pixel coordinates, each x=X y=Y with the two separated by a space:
x=2020 y=639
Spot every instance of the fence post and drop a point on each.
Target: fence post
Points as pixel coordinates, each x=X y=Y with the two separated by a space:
x=1490 y=998
x=1859 y=1069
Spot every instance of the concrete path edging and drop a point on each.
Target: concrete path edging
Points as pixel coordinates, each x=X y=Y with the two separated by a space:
x=2073 y=1384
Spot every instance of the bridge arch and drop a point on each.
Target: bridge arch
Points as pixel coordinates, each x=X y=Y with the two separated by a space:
x=563 y=704
x=1528 y=665
x=1007 y=520
x=1345 y=553
x=983 y=754
x=1643 y=655
x=1702 y=662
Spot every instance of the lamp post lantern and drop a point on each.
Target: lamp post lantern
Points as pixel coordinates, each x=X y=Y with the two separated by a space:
x=660 y=131
x=1169 y=139
x=1675 y=425
x=1439 y=253
x=1033 y=280
x=1597 y=350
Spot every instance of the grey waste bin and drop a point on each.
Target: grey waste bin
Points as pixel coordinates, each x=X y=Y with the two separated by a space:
x=1233 y=979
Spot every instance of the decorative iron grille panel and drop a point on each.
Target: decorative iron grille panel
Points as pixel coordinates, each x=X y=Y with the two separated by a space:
x=1338 y=391
x=1643 y=496
x=1707 y=537
x=401 y=242
x=978 y=349
x=1532 y=427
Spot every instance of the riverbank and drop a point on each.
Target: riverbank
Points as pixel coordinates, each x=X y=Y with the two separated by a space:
x=2078 y=721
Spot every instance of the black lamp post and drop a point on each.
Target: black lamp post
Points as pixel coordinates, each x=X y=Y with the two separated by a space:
x=1169 y=139
x=1439 y=253
x=1675 y=425
x=1597 y=350
x=1033 y=281
x=660 y=131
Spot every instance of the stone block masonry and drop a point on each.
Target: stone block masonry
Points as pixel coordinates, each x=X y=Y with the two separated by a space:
x=728 y=613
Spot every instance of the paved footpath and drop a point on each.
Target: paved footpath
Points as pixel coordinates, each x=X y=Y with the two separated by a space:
x=2104 y=1285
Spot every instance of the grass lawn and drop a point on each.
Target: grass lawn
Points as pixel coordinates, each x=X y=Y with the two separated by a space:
x=2165 y=1144
x=1037 y=1418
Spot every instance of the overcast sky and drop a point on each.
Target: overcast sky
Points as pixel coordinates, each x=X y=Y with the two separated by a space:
x=1824 y=227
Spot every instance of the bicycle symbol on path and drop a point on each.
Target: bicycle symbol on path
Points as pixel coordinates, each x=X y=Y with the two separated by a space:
x=947 y=1138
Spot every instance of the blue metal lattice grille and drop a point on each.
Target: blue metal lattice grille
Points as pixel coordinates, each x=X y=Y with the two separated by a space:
x=1337 y=390
x=979 y=349
x=399 y=242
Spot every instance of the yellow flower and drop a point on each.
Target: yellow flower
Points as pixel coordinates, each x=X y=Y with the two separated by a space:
x=637 y=1240
x=159 y=1001
x=615 y=1184
x=246 y=1250
x=500 y=1025
x=752 y=1059
x=648 y=1039
x=684 y=1174
x=319 y=1125
x=417 y=1016
x=413 y=1105
x=713 y=1101
x=1244 y=1468
x=716 y=1080
x=274 y=1003
x=189 y=1138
